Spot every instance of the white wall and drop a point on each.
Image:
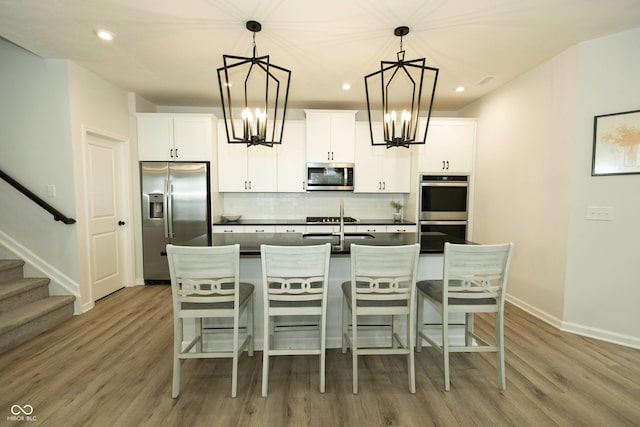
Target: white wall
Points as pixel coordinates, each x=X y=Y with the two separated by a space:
x=603 y=270
x=533 y=184
x=97 y=105
x=36 y=150
x=44 y=106
x=522 y=179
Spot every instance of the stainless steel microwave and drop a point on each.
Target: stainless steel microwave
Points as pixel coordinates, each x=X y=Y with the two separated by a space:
x=329 y=176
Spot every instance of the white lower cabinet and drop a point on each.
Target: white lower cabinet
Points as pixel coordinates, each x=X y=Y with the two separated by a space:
x=291 y=229
x=371 y=228
x=401 y=228
x=380 y=169
x=259 y=228
x=221 y=229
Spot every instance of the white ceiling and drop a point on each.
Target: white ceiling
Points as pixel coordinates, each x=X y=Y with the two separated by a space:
x=168 y=50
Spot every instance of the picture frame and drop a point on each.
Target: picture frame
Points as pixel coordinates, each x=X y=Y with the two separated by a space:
x=616 y=144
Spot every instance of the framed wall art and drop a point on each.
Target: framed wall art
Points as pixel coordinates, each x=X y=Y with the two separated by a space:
x=616 y=144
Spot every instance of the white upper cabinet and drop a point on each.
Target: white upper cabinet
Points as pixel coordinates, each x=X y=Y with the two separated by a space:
x=449 y=147
x=170 y=137
x=292 y=177
x=330 y=136
x=379 y=169
x=244 y=169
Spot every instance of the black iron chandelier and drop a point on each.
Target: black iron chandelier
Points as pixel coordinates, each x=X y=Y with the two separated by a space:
x=251 y=90
x=398 y=105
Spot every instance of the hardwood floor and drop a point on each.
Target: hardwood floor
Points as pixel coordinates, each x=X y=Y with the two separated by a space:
x=112 y=367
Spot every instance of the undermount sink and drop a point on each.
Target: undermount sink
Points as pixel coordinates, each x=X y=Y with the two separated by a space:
x=331 y=236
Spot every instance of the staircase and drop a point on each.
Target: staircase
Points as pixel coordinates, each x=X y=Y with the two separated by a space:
x=26 y=309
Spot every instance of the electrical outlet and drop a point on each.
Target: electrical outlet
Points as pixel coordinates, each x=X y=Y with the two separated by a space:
x=600 y=213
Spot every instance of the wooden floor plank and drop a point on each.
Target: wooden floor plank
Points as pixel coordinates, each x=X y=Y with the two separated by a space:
x=112 y=367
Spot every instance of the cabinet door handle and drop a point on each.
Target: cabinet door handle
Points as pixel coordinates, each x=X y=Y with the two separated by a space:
x=328 y=155
x=176 y=153
x=304 y=185
x=332 y=155
x=249 y=185
x=245 y=185
x=384 y=185
x=443 y=165
x=171 y=153
x=447 y=164
x=379 y=185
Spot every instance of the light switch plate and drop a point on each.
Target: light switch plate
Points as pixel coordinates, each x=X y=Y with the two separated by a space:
x=600 y=213
x=51 y=190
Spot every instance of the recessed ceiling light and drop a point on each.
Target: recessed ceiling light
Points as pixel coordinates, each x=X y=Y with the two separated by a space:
x=104 y=34
x=346 y=86
x=460 y=89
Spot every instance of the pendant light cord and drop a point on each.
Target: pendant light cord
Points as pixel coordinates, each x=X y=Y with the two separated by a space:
x=255 y=49
x=400 y=53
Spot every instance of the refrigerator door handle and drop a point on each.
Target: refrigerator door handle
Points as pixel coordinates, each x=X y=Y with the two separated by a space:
x=165 y=213
x=170 y=208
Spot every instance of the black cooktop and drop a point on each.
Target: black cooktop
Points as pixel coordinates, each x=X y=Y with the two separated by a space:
x=329 y=219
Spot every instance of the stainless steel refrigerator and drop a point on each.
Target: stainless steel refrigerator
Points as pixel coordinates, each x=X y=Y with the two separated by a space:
x=176 y=208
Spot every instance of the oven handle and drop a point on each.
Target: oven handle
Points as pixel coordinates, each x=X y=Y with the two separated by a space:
x=444 y=184
x=443 y=222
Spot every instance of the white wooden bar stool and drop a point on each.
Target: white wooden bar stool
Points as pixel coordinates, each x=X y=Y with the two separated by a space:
x=383 y=283
x=205 y=284
x=295 y=281
x=474 y=281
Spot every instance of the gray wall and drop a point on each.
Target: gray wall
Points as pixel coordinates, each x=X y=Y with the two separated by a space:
x=534 y=183
x=36 y=149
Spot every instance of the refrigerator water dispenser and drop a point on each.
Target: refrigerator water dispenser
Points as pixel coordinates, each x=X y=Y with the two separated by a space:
x=156 y=205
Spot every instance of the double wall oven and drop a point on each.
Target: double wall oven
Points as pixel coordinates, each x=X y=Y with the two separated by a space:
x=444 y=201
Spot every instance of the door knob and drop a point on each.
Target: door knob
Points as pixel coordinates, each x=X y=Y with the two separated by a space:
x=120 y=223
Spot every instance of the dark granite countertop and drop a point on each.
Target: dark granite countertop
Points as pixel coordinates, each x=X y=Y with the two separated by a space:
x=430 y=243
x=250 y=242
x=242 y=221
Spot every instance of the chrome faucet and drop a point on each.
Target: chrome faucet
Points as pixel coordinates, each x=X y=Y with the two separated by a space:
x=341 y=233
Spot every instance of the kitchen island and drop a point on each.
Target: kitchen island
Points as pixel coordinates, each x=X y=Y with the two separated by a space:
x=429 y=267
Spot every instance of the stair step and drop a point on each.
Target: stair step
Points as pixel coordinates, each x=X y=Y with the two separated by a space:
x=20 y=324
x=23 y=291
x=11 y=269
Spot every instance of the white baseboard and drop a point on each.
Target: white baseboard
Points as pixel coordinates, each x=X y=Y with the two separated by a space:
x=87 y=306
x=601 y=335
x=574 y=328
x=534 y=311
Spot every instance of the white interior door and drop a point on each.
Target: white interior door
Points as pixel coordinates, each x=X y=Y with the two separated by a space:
x=104 y=188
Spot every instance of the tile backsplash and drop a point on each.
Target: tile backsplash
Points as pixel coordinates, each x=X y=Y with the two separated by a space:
x=299 y=206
